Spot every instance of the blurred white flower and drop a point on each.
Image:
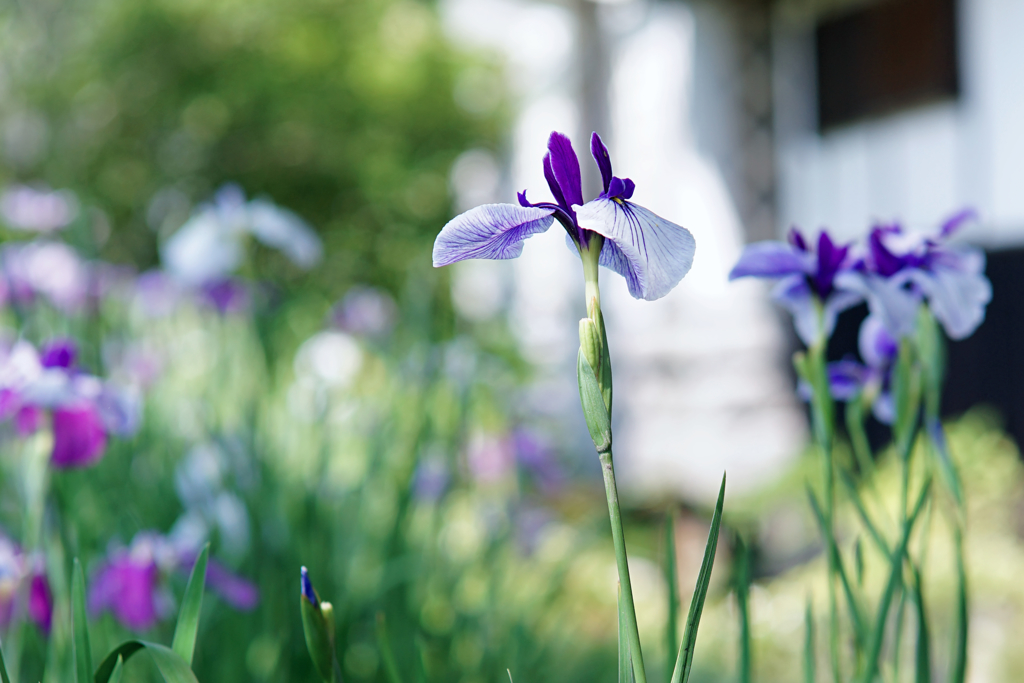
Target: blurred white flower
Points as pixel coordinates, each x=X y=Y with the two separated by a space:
x=50 y=269
x=37 y=209
x=332 y=358
x=210 y=245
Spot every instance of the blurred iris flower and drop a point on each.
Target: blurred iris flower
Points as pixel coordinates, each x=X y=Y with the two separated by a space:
x=901 y=269
x=210 y=245
x=19 y=572
x=651 y=253
x=850 y=380
x=84 y=410
x=130 y=583
x=36 y=209
x=815 y=280
x=44 y=269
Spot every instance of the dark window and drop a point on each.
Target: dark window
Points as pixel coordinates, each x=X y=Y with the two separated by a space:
x=885 y=57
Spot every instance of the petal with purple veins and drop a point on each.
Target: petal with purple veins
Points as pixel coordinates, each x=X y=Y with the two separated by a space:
x=651 y=253
x=491 y=231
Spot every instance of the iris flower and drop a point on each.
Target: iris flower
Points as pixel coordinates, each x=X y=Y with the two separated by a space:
x=130 y=584
x=901 y=269
x=851 y=380
x=814 y=280
x=84 y=410
x=19 y=571
x=651 y=253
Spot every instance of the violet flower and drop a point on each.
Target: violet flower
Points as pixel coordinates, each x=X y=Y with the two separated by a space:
x=871 y=380
x=209 y=246
x=24 y=588
x=813 y=280
x=84 y=410
x=651 y=253
x=37 y=209
x=130 y=583
x=900 y=270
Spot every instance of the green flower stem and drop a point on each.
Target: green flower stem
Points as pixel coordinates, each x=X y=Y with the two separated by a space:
x=619 y=542
x=589 y=254
x=823 y=419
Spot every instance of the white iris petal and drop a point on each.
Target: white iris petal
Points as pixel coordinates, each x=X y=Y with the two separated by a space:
x=491 y=231
x=651 y=253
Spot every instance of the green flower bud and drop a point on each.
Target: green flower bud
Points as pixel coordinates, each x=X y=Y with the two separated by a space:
x=590 y=343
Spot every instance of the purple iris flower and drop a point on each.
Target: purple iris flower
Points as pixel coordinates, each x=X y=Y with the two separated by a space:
x=901 y=269
x=24 y=588
x=850 y=380
x=813 y=280
x=130 y=583
x=84 y=410
x=225 y=295
x=651 y=253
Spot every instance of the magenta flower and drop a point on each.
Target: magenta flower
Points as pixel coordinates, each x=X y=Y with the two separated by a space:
x=651 y=253
x=84 y=411
x=24 y=588
x=130 y=584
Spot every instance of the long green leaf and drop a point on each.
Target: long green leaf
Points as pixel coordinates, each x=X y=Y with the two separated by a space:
x=810 y=668
x=858 y=503
x=923 y=653
x=80 y=626
x=959 y=670
x=895 y=576
x=4 y=678
x=115 y=676
x=187 y=628
x=684 y=661
x=387 y=655
x=743 y=603
x=859 y=629
x=672 y=581
x=172 y=667
x=625 y=660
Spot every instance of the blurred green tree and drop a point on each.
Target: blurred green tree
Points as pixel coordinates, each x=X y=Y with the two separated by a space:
x=341 y=111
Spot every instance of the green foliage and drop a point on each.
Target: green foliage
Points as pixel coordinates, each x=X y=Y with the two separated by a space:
x=342 y=111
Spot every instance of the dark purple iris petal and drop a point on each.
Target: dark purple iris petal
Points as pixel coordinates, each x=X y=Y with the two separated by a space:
x=797 y=239
x=59 y=353
x=886 y=263
x=956 y=221
x=556 y=189
x=604 y=162
x=830 y=258
x=307 y=589
x=78 y=437
x=40 y=602
x=565 y=169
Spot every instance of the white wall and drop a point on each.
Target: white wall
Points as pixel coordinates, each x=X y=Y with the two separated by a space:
x=916 y=166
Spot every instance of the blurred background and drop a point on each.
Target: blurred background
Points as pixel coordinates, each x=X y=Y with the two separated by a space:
x=230 y=206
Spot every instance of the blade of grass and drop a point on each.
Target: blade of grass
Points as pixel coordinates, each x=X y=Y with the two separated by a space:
x=810 y=673
x=672 y=581
x=80 y=627
x=923 y=664
x=859 y=631
x=4 y=678
x=387 y=655
x=959 y=669
x=858 y=503
x=684 y=661
x=115 y=676
x=743 y=604
x=625 y=660
x=895 y=574
x=187 y=628
x=172 y=667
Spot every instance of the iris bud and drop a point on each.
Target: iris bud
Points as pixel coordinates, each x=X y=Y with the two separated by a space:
x=318 y=628
x=590 y=343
